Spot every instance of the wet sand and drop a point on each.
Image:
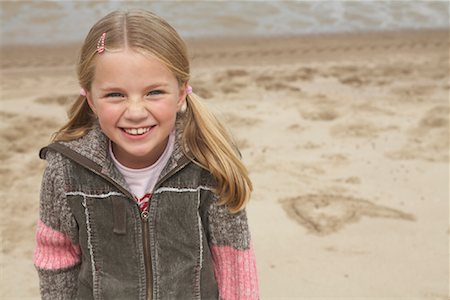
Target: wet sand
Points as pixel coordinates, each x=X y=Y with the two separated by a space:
x=346 y=138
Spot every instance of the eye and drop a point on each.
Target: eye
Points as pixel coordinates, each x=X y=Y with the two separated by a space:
x=155 y=93
x=114 y=95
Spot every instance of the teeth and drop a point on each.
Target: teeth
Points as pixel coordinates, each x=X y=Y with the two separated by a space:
x=136 y=131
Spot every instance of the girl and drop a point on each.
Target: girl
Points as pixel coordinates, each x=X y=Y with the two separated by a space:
x=144 y=192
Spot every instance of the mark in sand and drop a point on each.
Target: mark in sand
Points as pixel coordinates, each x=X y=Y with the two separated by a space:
x=323 y=214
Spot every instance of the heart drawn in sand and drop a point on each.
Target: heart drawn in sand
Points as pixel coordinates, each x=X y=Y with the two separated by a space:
x=323 y=214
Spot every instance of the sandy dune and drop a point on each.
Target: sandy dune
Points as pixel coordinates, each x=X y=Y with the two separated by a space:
x=347 y=142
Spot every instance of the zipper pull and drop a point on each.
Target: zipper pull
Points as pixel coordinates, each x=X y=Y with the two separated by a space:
x=144 y=215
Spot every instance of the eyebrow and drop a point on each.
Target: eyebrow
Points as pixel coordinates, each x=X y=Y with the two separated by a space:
x=111 y=87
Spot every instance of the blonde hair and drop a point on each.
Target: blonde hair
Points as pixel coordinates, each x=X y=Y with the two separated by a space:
x=204 y=138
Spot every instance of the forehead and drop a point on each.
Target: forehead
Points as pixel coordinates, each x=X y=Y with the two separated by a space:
x=129 y=65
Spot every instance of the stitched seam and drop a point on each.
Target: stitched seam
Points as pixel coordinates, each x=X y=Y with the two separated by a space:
x=94 y=195
x=181 y=190
x=90 y=247
x=198 y=270
x=200 y=232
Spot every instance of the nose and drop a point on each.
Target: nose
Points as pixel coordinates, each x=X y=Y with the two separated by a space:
x=136 y=110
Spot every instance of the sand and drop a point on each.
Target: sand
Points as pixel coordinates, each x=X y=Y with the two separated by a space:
x=346 y=138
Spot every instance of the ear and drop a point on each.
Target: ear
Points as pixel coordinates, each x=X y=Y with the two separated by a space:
x=182 y=98
x=91 y=102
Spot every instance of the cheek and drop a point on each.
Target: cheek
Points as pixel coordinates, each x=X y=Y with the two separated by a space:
x=166 y=111
x=108 y=113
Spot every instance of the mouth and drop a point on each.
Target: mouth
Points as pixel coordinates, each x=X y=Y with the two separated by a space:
x=137 y=131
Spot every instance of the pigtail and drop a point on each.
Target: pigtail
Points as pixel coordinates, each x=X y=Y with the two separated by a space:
x=212 y=147
x=81 y=120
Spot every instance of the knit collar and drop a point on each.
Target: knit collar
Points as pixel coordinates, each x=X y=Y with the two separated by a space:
x=94 y=146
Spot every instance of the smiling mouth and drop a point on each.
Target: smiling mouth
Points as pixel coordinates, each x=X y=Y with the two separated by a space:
x=137 y=131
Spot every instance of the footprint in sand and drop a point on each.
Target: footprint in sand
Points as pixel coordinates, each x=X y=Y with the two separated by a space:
x=349 y=75
x=296 y=127
x=64 y=100
x=273 y=83
x=233 y=87
x=355 y=130
x=370 y=108
x=408 y=93
x=429 y=140
x=230 y=74
x=7 y=116
x=319 y=114
x=236 y=121
x=437 y=117
x=297 y=76
x=309 y=145
x=231 y=81
x=336 y=159
x=324 y=214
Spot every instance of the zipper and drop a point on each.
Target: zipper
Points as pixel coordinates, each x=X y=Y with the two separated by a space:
x=147 y=254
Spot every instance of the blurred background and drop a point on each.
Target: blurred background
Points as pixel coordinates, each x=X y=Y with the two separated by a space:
x=340 y=109
x=54 y=22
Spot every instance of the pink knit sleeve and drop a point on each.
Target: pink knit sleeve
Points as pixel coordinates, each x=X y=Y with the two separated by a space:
x=235 y=272
x=232 y=253
x=54 y=250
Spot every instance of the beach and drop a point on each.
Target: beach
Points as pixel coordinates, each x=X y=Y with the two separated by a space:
x=346 y=138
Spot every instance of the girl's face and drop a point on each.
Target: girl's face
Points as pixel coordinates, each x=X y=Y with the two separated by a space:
x=135 y=98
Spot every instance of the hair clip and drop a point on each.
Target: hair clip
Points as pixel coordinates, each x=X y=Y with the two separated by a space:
x=83 y=92
x=189 y=90
x=101 y=43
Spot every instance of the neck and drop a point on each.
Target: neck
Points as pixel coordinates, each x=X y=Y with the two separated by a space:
x=138 y=162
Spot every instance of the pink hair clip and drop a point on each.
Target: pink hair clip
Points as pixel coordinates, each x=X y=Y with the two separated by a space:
x=83 y=92
x=189 y=90
x=101 y=43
